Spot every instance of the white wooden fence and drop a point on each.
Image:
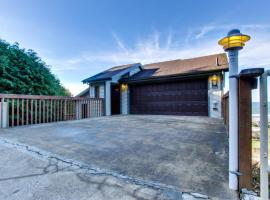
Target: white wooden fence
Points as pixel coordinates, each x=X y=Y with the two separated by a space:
x=19 y=110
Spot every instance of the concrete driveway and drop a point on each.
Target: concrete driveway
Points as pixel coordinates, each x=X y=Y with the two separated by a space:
x=170 y=154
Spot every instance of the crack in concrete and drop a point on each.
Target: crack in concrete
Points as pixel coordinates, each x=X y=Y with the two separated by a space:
x=170 y=192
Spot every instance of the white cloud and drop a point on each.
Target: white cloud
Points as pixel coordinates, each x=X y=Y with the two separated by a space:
x=153 y=48
x=120 y=43
x=205 y=30
x=169 y=40
x=161 y=47
x=144 y=51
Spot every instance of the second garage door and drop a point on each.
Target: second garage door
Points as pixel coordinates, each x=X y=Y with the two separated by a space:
x=188 y=97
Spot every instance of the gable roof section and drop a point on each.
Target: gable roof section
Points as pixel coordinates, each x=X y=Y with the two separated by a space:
x=110 y=73
x=198 y=65
x=84 y=93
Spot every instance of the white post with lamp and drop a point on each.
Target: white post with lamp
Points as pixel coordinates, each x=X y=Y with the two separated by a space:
x=232 y=44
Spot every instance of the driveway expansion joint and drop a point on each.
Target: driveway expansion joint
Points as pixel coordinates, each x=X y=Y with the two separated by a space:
x=170 y=192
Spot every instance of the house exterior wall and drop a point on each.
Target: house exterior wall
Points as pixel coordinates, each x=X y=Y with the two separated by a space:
x=124 y=99
x=101 y=90
x=108 y=98
x=92 y=91
x=215 y=97
x=105 y=89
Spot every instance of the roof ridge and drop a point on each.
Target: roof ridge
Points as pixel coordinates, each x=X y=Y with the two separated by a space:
x=164 y=61
x=186 y=58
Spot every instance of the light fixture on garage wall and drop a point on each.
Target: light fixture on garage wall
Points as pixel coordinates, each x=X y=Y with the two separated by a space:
x=124 y=87
x=214 y=80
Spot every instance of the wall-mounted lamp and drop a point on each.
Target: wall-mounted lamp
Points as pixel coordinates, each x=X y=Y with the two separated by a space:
x=124 y=87
x=214 y=81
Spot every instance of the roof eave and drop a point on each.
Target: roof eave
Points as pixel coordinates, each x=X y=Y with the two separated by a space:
x=96 y=81
x=174 y=76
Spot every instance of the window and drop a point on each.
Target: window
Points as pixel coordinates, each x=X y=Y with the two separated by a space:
x=97 y=91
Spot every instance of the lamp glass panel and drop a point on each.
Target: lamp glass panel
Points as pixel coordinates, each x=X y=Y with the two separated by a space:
x=234 y=41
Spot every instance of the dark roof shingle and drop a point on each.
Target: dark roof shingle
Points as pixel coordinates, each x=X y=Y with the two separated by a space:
x=217 y=62
x=108 y=74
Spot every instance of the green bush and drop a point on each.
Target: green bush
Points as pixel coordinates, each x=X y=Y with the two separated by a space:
x=23 y=72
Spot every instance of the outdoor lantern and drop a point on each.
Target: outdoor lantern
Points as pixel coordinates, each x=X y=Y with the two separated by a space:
x=214 y=80
x=124 y=87
x=234 y=40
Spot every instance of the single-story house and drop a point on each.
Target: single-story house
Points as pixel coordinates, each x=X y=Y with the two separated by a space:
x=178 y=87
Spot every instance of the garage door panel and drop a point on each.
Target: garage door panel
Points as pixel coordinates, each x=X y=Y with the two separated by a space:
x=189 y=97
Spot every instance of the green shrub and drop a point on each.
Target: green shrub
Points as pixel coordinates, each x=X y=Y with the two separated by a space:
x=23 y=72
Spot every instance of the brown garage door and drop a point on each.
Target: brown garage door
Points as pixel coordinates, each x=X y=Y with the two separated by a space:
x=187 y=97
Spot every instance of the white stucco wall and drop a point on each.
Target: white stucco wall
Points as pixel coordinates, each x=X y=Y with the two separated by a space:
x=101 y=90
x=92 y=91
x=108 y=98
x=215 y=98
x=124 y=101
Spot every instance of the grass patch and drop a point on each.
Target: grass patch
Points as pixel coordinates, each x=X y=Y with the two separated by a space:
x=256 y=143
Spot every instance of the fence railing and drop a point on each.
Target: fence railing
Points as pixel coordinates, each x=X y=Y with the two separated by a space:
x=18 y=110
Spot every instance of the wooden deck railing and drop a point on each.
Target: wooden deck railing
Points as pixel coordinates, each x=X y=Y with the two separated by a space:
x=18 y=110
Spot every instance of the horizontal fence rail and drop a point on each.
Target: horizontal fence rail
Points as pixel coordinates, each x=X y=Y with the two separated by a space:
x=19 y=110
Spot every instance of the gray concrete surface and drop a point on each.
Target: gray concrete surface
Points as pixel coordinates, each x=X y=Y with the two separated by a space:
x=36 y=175
x=186 y=153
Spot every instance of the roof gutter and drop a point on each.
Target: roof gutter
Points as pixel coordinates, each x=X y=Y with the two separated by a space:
x=172 y=77
x=96 y=81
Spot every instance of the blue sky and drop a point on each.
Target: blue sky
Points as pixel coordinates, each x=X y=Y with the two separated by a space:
x=80 y=38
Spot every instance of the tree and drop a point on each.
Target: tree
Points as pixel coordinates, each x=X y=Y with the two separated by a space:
x=23 y=72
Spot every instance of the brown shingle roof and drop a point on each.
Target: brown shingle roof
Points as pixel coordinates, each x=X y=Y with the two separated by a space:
x=199 y=64
x=216 y=62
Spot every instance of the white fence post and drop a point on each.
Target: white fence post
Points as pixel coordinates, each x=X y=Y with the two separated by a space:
x=4 y=115
x=264 y=136
x=78 y=110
